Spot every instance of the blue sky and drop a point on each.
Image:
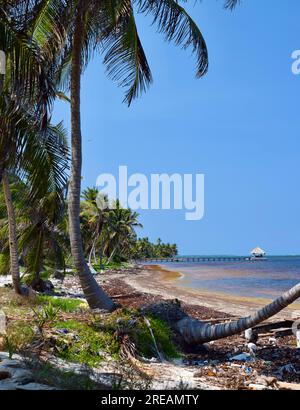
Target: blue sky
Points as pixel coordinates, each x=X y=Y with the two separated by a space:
x=239 y=126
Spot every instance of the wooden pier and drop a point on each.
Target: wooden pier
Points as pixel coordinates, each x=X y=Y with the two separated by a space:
x=199 y=259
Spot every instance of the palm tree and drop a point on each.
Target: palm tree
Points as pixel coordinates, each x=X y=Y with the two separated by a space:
x=13 y=245
x=109 y=25
x=119 y=232
x=41 y=159
x=26 y=96
x=93 y=217
x=195 y=332
x=27 y=80
x=40 y=231
x=42 y=237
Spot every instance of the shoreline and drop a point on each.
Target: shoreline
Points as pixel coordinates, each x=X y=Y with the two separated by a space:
x=159 y=281
x=155 y=281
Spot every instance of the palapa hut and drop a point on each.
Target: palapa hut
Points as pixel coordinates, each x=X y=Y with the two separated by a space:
x=258 y=253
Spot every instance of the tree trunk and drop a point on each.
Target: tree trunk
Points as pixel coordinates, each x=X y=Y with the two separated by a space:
x=13 y=245
x=91 y=255
x=195 y=332
x=37 y=282
x=95 y=296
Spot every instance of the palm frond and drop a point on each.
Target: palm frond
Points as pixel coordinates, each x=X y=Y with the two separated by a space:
x=26 y=67
x=125 y=58
x=44 y=160
x=173 y=21
x=230 y=4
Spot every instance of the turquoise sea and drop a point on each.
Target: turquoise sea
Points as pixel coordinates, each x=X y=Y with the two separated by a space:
x=262 y=279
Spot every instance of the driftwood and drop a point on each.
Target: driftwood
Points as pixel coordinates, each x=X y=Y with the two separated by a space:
x=128 y=295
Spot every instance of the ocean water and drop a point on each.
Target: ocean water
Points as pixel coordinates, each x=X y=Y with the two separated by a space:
x=259 y=279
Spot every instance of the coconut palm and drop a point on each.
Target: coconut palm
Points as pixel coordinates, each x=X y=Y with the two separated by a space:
x=110 y=27
x=41 y=159
x=94 y=213
x=12 y=235
x=75 y=28
x=27 y=80
x=42 y=236
x=119 y=231
x=27 y=141
x=40 y=230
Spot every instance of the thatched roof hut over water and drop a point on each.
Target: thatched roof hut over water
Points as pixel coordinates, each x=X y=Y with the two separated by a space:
x=258 y=252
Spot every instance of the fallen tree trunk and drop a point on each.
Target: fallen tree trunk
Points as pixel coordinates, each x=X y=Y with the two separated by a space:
x=195 y=332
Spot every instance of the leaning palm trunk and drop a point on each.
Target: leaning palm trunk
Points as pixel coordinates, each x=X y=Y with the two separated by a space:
x=195 y=332
x=91 y=255
x=112 y=254
x=13 y=245
x=95 y=296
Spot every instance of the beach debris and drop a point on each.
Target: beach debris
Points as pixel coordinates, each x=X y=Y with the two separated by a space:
x=247 y=370
x=286 y=369
x=255 y=386
x=64 y=331
x=252 y=349
x=168 y=310
x=243 y=357
x=178 y=362
x=251 y=335
x=283 y=331
x=275 y=330
x=266 y=380
x=127 y=296
x=4 y=375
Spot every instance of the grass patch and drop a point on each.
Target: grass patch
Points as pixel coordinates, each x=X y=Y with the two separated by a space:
x=131 y=323
x=112 y=265
x=65 y=304
x=163 y=336
x=19 y=335
x=16 y=305
x=86 y=338
x=83 y=344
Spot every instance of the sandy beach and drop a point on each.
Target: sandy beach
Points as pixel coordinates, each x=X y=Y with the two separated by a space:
x=160 y=281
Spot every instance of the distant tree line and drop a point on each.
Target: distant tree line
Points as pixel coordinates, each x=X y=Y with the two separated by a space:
x=109 y=232
x=143 y=248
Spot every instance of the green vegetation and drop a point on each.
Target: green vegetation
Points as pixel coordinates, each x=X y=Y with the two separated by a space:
x=110 y=239
x=110 y=236
x=47 y=48
x=143 y=248
x=131 y=323
x=163 y=336
x=90 y=342
x=18 y=337
x=83 y=344
x=81 y=337
x=65 y=304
